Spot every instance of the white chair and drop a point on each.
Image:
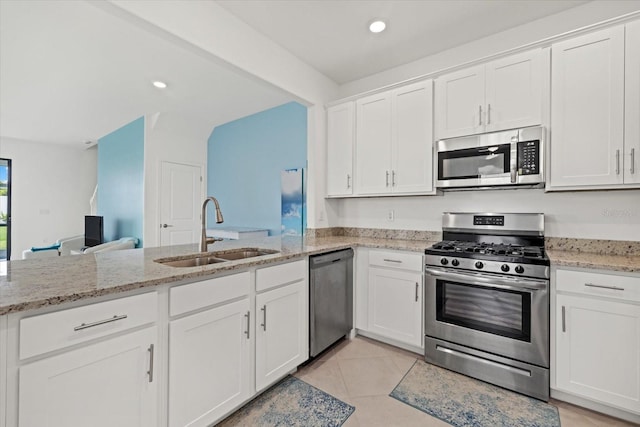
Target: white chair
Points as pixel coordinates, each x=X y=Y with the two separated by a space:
x=116 y=245
x=62 y=247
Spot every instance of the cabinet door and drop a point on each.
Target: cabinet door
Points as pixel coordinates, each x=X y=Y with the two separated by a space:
x=587 y=101
x=412 y=143
x=395 y=305
x=632 y=104
x=209 y=370
x=460 y=103
x=340 y=135
x=282 y=327
x=598 y=350
x=514 y=91
x=373 y=144
x=111 y=383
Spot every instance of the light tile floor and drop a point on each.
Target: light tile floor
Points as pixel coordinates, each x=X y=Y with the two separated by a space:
x=362 y=372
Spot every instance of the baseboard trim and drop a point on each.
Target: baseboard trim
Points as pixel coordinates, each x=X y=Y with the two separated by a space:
x=595 y=406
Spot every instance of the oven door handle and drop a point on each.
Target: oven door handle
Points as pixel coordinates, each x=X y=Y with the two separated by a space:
x=489 y=281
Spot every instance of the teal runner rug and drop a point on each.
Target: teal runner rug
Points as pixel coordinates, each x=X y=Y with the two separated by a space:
x=466 y=402
x=292 y=402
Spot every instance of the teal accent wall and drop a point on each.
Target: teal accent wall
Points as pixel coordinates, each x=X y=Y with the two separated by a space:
x=244 y=163
x=121 y=181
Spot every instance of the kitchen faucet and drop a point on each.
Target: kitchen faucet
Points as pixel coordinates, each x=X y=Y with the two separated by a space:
x=204 y=240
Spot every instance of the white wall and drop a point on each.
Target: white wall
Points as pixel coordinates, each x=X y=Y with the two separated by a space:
x=209 y=29
x=572 y=19
x=169 y=137
x=612 y=215
x=51 y=188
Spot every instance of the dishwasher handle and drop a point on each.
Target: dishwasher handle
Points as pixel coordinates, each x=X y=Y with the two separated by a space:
x=318 y=261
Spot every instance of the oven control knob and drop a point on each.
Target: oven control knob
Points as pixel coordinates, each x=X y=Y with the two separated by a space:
x=479 y=264
x=504 y=268
x=444 y=261
x=519 y=269
x=455 y=262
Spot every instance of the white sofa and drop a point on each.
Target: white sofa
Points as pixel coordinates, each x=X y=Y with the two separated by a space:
x=65 y=247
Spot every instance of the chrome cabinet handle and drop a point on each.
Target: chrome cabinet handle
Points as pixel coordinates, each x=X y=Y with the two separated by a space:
x=150 y=371
x=393 y=178
x=479 y=115
x=392 y=260
x=633 y=161
x=387 y=179
x=264 y=325
x=564 y=323
x=166 y=225
x=348 y=181
x=617 y=162
x=488 y=113
x=615 y=288
x=248 y=316
x=99 y=322
x=416 y=291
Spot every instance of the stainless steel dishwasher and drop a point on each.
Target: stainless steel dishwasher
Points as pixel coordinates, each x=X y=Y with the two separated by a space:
x=330 y=299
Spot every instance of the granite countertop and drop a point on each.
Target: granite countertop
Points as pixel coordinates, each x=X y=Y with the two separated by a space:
x=624 y=263
x=36 y=283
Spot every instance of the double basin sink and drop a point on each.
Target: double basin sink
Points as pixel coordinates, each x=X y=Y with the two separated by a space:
x=214 y=257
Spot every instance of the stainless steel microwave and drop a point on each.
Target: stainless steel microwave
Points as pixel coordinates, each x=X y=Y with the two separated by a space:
x=499 y=159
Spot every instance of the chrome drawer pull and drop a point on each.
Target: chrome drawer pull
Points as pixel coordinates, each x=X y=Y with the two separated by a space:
x=633 y=161
x=615 y=288
x=150 y=371
x=617 y=162
x=393 y=260
x=99 y=322
x=479 y=115
x=387 y=180
x=264 y=325
x=488 y=113
x=348 y=181
x=248 y=316
x=564 y=323
x=417 y=286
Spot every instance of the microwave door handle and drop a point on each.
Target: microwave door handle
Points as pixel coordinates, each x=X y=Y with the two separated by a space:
x=490 y=282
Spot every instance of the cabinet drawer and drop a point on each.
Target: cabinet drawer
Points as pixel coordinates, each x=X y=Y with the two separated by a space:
x=402 y=260
x=207 y=292
x=53 y=331
x=607 y=285
x=270 y=277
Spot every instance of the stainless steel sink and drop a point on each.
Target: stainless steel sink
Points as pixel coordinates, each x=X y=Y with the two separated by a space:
x=192 y=262
x=200 y=259
x=243 y=253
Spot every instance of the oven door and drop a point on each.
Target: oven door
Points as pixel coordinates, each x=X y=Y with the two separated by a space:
x=477 y=166
x=501 y=315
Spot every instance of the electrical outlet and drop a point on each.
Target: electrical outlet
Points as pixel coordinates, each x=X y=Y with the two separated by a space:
x=391 y=215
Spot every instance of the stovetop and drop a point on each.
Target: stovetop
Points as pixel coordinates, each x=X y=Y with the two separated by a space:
x=496 y=251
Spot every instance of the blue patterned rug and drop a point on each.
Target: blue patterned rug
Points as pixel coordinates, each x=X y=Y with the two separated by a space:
x=291 y=402
x=466 y=402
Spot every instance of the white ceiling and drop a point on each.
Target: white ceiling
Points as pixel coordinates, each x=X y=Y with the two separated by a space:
x=71 y=72
x=332 y=35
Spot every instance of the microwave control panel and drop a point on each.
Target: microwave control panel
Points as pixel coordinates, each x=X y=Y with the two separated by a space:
x=529 y=158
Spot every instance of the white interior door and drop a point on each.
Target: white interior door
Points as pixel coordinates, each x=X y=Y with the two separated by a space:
x=180 y=197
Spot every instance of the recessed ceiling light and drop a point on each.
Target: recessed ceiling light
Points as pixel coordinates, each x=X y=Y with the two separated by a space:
x=377 y=26
x=159 y=84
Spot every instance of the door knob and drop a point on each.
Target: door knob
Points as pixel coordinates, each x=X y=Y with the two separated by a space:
x=166 y=225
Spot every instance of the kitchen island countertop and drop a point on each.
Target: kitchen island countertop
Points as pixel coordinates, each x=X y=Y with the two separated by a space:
x=36 y=283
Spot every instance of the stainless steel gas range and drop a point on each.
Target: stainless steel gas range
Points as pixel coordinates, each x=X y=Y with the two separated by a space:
x=487 y=300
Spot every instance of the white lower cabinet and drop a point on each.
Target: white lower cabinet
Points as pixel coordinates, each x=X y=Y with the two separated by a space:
x=209 y=364
x=111 y=383
x=395 y=305
x=281 y=332
x=598 y=338
x=395 y=296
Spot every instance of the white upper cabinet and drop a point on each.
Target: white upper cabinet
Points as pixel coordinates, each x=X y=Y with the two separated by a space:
x=459 y=103
x=394 y=141
x=632 y=104
x=340 y=136
x=412 y=139
x=587 y=117
x=502 y=94
x=373 y=144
